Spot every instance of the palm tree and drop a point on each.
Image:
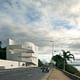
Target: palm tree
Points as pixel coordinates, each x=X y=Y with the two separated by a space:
x=67 y=56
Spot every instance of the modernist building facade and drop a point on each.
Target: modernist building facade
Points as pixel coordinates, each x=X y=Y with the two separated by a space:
x=23 y=52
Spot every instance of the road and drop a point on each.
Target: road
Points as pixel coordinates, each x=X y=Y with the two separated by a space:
x=58 y=75
x=22 y=74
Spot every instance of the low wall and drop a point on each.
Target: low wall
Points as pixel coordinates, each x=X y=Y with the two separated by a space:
x=6 y=64
x=72 y=76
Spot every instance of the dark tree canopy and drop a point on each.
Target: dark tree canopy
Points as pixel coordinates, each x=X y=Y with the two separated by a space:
x=40 y=63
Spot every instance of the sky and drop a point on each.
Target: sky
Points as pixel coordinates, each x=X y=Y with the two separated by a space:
x=40 y=22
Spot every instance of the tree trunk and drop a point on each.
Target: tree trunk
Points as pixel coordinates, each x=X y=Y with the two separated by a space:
x=64 y=65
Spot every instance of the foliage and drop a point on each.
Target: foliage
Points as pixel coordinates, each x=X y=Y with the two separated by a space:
x=58 y=59
x=60 y=62
x=72 y=70
x=67 y=55
x=40 y=63
x=2 y=53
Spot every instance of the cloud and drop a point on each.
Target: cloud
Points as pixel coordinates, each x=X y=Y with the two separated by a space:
x=41 y=21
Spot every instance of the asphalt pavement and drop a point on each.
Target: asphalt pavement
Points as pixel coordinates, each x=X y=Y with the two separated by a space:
x=23 y=74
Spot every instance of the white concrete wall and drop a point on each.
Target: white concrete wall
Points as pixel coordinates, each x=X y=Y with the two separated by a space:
x=11 y=64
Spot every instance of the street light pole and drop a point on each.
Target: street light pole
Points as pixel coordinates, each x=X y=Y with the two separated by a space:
x=52 y=47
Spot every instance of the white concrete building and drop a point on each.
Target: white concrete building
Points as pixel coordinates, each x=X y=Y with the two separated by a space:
x=23 y=52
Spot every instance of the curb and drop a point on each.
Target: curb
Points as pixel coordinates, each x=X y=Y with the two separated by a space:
x=46 y=77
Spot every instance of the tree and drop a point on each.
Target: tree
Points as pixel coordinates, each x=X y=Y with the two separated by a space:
x=3 y=53
x=59 y=61
x=67 y=56
x=40 y=63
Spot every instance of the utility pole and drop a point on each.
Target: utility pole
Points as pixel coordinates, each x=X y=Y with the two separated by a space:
x=0 y=44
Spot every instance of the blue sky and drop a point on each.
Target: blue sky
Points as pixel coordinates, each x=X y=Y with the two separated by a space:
x=41 y=21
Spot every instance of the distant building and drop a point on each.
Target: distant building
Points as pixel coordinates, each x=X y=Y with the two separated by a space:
x=23 y=52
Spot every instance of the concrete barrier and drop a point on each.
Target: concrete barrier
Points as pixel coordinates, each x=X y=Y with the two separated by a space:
x=7 y=64
x=72 y=76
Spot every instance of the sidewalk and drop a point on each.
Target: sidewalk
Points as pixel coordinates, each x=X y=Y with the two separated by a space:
x=57 y=75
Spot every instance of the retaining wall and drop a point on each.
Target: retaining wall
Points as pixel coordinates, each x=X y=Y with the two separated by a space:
x=72 y=76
